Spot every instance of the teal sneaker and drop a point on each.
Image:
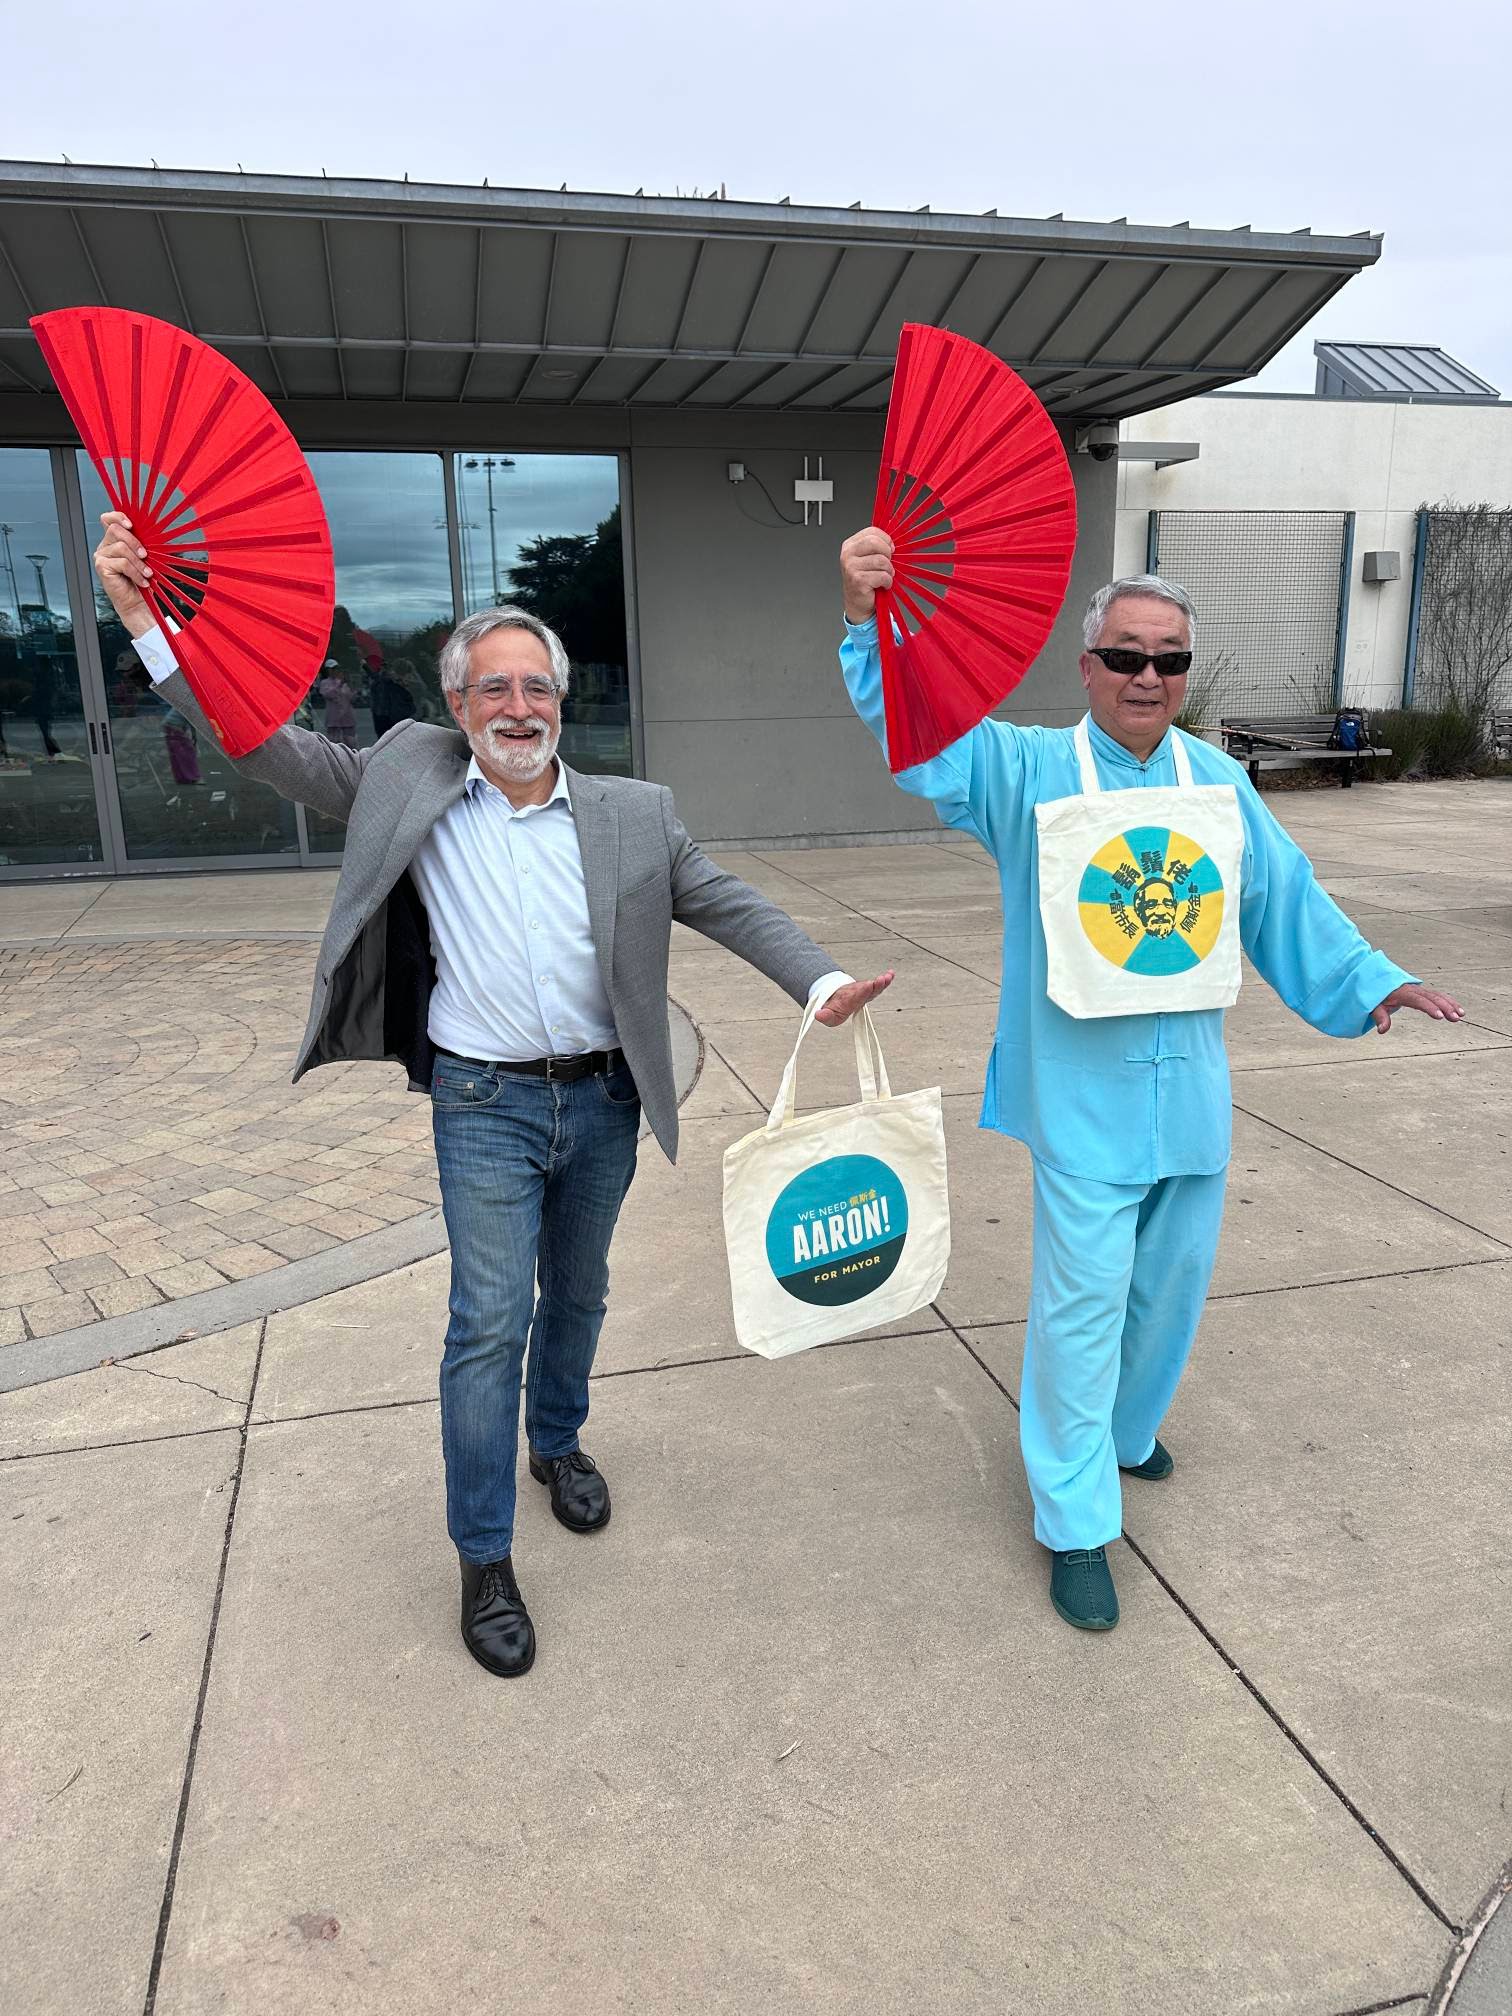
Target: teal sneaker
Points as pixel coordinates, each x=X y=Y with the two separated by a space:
x=1081 y=1588
x=1159 y=1463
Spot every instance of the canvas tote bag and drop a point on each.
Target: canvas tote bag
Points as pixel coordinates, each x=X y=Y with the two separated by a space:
x=838 y=1220
x=1139 y=893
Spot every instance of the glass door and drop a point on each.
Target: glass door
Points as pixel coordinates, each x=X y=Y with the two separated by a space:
x=544 y=532
x=176 y=799
x=387 y=514
x=50 y=753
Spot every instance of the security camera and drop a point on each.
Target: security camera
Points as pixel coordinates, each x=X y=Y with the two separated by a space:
x=1100 y=442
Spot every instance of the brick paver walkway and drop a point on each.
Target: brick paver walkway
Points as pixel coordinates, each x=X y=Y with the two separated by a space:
x=150 y=1143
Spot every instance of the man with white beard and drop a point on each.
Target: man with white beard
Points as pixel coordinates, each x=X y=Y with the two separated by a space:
x=501 y=927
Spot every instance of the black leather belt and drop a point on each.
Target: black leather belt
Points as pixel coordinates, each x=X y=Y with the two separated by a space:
x=559 y=1070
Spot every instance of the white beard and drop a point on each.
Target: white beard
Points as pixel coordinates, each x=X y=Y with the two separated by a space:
x=521 y=762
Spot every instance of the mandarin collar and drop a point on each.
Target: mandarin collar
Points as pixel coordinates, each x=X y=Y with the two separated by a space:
x=1119 y=758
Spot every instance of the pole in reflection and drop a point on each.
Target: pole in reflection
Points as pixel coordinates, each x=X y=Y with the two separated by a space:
x=488 y=465
x=10 y=568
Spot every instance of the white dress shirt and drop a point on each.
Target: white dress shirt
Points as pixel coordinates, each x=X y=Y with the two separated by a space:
x=516 y=973
x=517 y=976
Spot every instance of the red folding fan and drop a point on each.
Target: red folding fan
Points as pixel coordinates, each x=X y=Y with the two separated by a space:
x=219 y=494
x=976 y=493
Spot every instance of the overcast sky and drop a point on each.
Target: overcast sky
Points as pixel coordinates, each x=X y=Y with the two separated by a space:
x=1346 y=117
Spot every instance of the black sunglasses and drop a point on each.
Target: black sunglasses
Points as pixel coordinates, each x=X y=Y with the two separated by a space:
x=1169 y=664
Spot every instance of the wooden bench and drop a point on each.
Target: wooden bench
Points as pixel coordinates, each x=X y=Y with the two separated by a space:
x=1501 y=734
x=1278 y=739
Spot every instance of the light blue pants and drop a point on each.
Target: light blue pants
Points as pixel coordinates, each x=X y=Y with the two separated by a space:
x=1121 y=1271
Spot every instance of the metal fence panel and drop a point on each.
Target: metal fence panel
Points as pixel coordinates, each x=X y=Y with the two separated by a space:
x=1464 y=616
x=1266 y=585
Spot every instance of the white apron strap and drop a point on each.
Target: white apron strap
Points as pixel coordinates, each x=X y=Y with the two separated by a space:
x=1090 y=785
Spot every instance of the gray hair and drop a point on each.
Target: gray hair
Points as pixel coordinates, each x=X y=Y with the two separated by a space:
x=457 y=649
x=1148 y=585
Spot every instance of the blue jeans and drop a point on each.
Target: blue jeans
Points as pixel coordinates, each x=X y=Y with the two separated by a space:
x=533 y=1174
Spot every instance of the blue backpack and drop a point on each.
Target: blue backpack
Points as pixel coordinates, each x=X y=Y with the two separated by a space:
x=1351 y=731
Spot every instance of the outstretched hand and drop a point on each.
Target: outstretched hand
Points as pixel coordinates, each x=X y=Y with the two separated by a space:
x=1427 y=1000
x=848 y=1000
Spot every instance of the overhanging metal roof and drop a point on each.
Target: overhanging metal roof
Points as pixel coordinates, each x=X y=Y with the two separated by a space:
x=1396 y=371
x=367 y=290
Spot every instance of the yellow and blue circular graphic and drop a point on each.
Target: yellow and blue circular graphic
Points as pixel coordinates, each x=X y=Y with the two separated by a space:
x=1151 y=902
x=837 y=1230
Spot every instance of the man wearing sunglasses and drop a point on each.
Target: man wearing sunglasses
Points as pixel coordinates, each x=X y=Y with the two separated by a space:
x=501 y=928
x=1126 y=1114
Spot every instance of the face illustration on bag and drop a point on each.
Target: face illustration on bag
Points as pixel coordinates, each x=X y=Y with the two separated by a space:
x=1155 y=906
x=1151 y=901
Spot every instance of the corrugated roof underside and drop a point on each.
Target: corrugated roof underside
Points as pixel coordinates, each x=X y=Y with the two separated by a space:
x=387 y=307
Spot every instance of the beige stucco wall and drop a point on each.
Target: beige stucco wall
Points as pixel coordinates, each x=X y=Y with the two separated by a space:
x=1378 y=459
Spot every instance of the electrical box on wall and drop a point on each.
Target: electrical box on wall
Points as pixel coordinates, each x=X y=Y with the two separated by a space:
x=813 y=491
x=1382 y=567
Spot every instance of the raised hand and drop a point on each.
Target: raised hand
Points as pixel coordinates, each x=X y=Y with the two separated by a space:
x=865 y=566
x=121 y=565
x=1427 y=1001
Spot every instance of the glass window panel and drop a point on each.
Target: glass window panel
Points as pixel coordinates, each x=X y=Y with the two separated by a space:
x=47 y=795
x=543 y=531
x=180 y=797
x=393 y=603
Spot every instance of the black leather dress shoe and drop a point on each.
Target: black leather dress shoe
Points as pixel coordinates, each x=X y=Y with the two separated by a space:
x=496 y=1626
x=579 y=1495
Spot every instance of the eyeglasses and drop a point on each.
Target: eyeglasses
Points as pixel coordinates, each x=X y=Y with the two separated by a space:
x=491 y=691
x=1169 y=664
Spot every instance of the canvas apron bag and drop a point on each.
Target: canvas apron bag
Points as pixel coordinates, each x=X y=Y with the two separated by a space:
x=1139 y=893
x=838 y=1220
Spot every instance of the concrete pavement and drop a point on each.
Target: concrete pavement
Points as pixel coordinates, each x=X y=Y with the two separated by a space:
x=804 y=1731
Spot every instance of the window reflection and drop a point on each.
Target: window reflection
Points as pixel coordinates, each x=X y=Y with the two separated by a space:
x=387 y=515
x=47 y=794
x=180 y=797
x=543 y=531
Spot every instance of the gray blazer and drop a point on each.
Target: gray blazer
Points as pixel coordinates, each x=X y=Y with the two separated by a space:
x=374 y=976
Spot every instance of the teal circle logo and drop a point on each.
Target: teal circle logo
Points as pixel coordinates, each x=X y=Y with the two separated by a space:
x=836 y=1233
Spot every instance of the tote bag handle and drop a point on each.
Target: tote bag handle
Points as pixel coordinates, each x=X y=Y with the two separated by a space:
x=871 y=1069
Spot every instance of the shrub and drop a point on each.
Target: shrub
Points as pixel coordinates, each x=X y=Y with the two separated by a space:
x=1446 y=741
x=1403 y=731
x=1455 y=744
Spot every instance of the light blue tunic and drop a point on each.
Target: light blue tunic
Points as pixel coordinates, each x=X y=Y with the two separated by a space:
x=1127 y=1098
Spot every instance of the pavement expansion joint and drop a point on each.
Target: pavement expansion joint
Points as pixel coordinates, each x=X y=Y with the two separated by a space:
x=1460 y=1968
x=1332 y=1784
x=1379 y=2008
x=1371 y=1176
x=125 y=1442
x=181 y=1818
x=1379 y=1057
x=1419 y=1890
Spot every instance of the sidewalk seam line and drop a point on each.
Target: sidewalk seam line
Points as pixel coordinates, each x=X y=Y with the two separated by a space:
x=891 y=930
x=1376 y=2008
x=1376 y=1058
x=1333 y=1785
x=1370 y=1176
x=1418 y=1889
x=170 y=1884
x=126 y=1442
